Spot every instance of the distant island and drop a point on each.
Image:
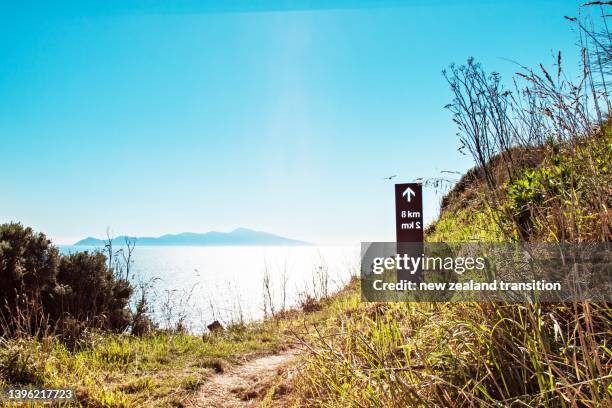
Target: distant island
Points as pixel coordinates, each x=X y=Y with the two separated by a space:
x=239 y=236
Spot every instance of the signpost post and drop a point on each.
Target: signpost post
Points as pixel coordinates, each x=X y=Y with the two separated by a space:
x=409 y=225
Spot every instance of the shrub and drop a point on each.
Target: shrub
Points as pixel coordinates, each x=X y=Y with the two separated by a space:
x=44 y=291
x=89 y=292
x=28 y=267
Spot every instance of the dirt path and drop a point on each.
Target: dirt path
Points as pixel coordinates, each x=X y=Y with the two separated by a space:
x=245 y=385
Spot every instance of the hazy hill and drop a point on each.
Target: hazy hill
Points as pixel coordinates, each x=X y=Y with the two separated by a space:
x=239 y=236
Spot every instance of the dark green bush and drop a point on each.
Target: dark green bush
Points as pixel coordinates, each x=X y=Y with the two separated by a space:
x=43 y=291
x=28 y=265
x=88 y=292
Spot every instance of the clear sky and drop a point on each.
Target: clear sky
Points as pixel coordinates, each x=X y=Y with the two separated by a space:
x=282 y=116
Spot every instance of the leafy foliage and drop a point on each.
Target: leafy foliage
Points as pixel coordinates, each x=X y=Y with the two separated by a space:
x=28 y=265
x=44 y=291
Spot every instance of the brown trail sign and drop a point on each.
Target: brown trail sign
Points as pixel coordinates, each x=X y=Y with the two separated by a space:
x=409 y=225
x=409 y=212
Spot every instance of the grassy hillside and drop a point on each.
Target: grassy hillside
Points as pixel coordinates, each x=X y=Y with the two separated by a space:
x=161 y=369
x=122 y=370
x=379 y=354
x=485 y=354
x=388 y=354
x=548 y=185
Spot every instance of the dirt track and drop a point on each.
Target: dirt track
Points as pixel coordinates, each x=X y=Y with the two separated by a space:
x=247 y=384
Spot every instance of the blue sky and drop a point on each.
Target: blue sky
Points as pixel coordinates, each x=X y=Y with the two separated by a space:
x=280 y=116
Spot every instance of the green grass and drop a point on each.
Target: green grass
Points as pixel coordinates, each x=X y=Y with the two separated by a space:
x=482 y=354
x=121 y=370
x=467 y=225
x=459 y=354
x=164 y=369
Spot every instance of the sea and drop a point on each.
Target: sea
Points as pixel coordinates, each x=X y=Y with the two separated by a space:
x=196 y=285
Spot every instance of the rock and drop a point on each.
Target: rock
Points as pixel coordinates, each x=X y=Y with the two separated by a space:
x=215 y=326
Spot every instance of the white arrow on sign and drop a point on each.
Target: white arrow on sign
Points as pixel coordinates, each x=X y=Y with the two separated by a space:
x=408 y=193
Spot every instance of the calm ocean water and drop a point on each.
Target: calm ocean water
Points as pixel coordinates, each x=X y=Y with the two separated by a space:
x=201 y=284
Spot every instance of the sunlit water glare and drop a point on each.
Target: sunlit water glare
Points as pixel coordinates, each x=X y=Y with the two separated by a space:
x=225 y=283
